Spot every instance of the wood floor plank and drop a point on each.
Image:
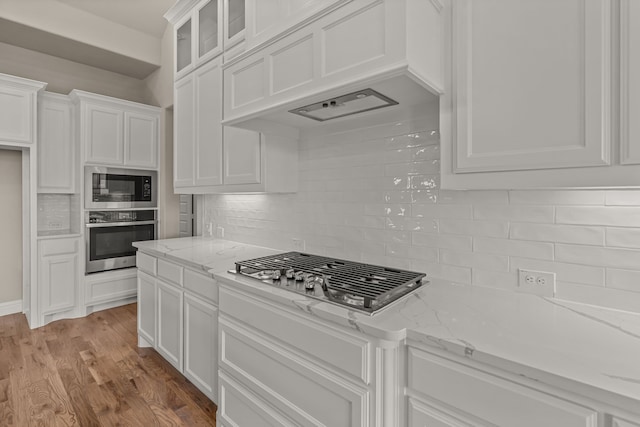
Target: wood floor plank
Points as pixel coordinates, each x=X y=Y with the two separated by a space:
x=89 y=372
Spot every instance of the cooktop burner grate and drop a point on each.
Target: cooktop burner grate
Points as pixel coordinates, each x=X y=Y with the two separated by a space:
x=362 y=286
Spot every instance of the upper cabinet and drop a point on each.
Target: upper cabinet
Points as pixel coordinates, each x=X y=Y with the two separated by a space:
x=18 y=115
x=531 y=98
x=198 y=36
x=118 y=132
x=234 y=25
x=56 y=148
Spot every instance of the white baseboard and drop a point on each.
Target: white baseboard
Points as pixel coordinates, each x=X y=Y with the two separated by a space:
x=10 y=307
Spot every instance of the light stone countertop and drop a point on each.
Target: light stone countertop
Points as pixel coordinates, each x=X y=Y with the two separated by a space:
x=540 y=338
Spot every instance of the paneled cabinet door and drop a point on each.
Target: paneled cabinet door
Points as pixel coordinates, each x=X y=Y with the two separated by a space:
x=241 y=156
x=141 y=139
x=16 y=115
x=183 y=145
x=629 y=82
x=58 y=274
x=147 y=302
x=617 y=422
x=532 y=85
x=56 y=165
x=209 y=35
x=170 y=321
x=234 y=22
x=208 y=130
x=422 y=415
x=103 y=135
x=201 y=345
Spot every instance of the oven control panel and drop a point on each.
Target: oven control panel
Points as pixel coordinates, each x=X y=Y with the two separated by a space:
x=96 y=217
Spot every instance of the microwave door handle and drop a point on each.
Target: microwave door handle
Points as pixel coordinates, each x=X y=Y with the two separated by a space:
x=119 y=224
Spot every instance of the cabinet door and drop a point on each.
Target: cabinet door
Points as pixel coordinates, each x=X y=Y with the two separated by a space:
x=58 y=274
x=103 y=135
x=183 y=141
x=241 y=149
x=422 y=415
x=56 y=157
x=617 y=422
x=629 y=82
x=208 y=131
x=201 y=345
x=183 y=34
x=16 y=115
x=141 y=139
x=532 y=84
x=147 y=307
x=209 y=41
x=170 y=323
x=234 y=22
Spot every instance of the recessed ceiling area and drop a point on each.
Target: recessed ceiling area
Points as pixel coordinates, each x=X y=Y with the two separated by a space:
x=121 y=36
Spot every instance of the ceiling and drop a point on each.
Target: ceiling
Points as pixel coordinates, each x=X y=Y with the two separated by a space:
x=141 y=15
x=144 y=16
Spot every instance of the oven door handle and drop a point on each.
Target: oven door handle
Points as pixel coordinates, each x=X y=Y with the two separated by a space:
x=119 y=224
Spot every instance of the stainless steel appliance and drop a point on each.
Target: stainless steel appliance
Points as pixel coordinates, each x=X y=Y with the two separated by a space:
x=363 y=287
x=109 y=235
x=111 y=188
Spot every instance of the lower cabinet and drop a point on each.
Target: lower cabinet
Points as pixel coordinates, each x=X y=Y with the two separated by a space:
x=179 y=318
x=58 y=274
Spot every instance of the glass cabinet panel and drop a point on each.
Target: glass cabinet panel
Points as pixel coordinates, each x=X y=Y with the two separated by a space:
x=183 y=46
x=208 y=28
x=236 y=17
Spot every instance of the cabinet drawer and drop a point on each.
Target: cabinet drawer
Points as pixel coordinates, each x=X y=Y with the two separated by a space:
x=202 y=285
x=493 y=399
x=58 y=247
x=306 y=394
x=347 y=353
x=421 y=414
x=170 y=272
x=617 y=422
x=240 y=407
x=146 y=263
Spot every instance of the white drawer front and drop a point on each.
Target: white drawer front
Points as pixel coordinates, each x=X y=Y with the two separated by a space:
x=146 y=263
x=202 y=285
x=309 y=396
x=58 y=246
x=490 y=398
x=240 y=407
x=170 y=272
x=347 y=353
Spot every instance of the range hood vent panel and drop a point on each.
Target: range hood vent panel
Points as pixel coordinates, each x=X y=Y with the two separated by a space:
x=345 y=105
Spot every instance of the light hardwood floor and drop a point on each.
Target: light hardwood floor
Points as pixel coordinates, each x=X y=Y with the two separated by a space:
x=90 y=372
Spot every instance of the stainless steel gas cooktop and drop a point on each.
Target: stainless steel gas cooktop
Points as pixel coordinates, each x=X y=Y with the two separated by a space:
x=363 y=287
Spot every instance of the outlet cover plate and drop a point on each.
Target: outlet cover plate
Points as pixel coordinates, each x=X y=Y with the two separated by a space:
x=542 y=283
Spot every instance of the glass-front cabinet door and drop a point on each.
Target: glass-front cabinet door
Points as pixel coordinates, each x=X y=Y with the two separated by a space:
x=234 y=22
x=209 y=30
x=183 y=46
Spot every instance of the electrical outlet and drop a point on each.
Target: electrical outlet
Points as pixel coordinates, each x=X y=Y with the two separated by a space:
x=298 y=244
x=541 y=283
x=220 y=232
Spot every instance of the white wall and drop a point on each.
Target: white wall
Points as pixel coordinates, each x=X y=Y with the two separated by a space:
x=10 y=225
x=373 y=195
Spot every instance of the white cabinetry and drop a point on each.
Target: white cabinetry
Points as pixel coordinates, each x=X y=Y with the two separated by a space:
x=178 y=316
x=118 y=132
x=356 y=46
x=618 y=422
x=532 y=92
x=58 y=275
x=57 y=150
x=234 y=22
x=481 y=398
x=18 y=100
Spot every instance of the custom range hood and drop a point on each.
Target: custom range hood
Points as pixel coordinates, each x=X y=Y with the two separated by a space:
x=359 y=63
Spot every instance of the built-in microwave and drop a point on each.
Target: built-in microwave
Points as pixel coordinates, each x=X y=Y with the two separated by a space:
x=112 y=188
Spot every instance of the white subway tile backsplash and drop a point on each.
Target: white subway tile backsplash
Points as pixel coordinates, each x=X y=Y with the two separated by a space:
x=557 y=197
x=542 y=214
x=475 y=228
x=603 y=215
x=623 y=237
x=557 y=233
x=623 y=279
x=518 y=248
x=373 y=195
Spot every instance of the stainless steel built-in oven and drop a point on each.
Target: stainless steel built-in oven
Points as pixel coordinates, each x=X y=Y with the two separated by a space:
x=110 y=234
x=111 y=188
